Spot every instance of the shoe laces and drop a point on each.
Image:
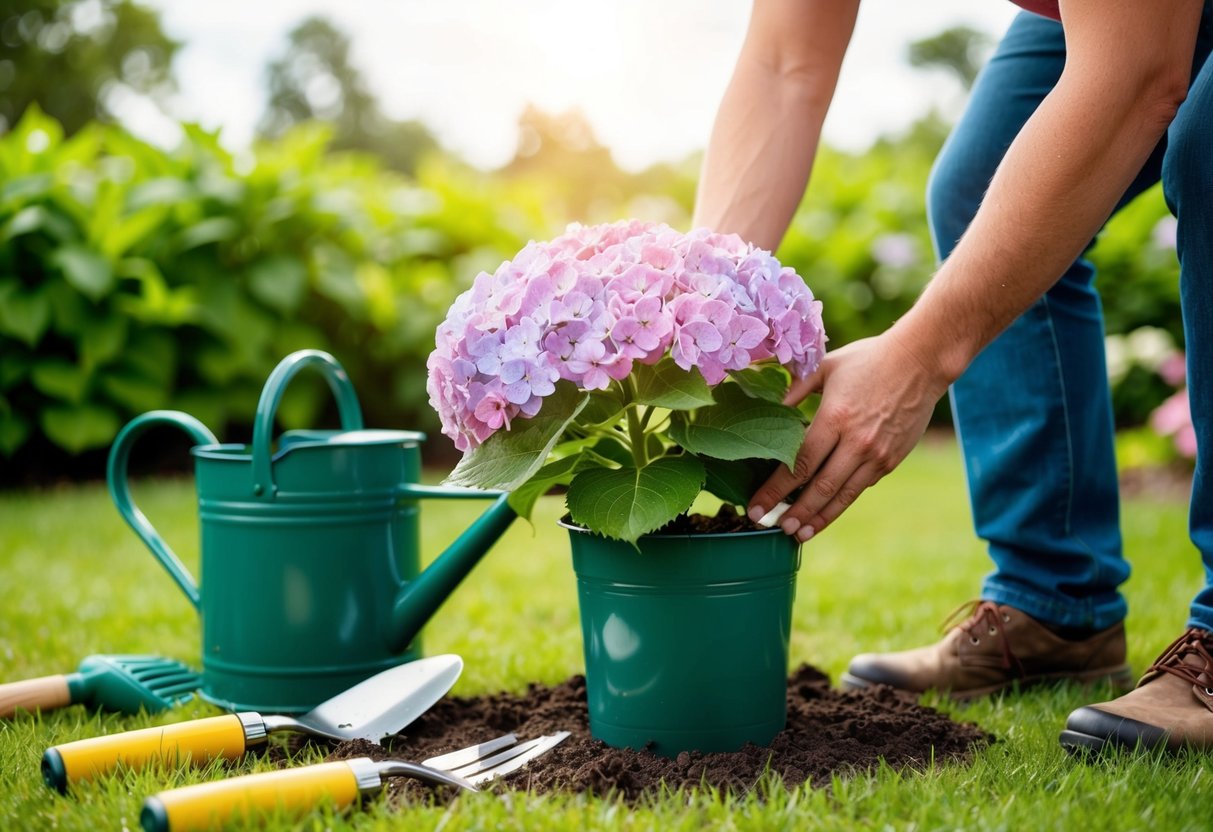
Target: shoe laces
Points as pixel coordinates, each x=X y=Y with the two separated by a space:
x=985 y=617
x=1195 y=642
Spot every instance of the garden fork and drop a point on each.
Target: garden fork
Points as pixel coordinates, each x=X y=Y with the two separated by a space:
x=298 y=790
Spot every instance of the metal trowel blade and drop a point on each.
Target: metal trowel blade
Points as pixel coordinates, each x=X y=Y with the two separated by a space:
x=387 y=702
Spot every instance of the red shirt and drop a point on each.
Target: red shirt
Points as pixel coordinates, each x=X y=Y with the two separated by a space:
x=1048 y=8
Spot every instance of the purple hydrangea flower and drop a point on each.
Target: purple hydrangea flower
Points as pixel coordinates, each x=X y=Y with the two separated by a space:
x=587 y=305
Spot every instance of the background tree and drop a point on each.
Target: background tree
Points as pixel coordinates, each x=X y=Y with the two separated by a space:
x=316 y=80
x=72 y=57
x=961 y=50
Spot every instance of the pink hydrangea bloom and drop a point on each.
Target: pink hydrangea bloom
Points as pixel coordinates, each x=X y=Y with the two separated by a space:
x=587 y=305
x=1174 y=418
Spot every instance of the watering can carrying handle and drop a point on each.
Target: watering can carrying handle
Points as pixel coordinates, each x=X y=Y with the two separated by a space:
x=263 y=425
x=119 y=486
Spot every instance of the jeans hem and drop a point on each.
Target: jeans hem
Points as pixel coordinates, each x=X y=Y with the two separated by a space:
x=1070 y=612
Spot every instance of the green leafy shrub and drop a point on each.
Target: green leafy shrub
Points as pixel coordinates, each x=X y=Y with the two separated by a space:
x=133 y=278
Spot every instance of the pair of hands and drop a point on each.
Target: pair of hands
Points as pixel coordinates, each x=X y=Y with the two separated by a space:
x=877 y=397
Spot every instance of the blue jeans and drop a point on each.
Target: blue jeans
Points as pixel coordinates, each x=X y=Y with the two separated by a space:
x=1033 y=410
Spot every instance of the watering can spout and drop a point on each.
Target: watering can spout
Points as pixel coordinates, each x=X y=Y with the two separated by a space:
x=421 y=597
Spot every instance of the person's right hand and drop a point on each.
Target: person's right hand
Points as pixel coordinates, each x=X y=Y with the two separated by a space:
x=877 y=397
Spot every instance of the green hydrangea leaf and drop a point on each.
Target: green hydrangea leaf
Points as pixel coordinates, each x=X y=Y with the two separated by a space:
x=522 y=499
x=736 y=480
x=767 y=382
x=665 y=384
x=626 y=503
x=738 y=427
x=604 y=406
x=510 y=457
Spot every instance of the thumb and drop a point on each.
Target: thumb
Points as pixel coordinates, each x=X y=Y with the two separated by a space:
x=802 y=387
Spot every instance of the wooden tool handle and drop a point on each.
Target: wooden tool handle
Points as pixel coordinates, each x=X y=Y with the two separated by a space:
x=200 y=741
x=40 y=694
x=211 y=805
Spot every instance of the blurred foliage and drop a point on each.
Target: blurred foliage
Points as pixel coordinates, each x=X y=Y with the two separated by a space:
x=72 y=58
x=315 y=80
x=961 y=50
x=134 y=279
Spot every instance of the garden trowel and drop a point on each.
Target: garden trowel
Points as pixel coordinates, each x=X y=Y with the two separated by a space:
x=118 y=683
x=371 y=710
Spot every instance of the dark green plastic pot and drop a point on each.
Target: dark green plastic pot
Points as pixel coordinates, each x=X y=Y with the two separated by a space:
x=686 y=640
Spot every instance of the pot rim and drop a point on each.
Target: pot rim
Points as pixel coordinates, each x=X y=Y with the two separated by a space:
x=572 y=527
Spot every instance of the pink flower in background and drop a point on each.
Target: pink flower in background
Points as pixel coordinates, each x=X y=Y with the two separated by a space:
x=1165 y=232
x=587 y=305
x=1174 y=418
x=1174 y=369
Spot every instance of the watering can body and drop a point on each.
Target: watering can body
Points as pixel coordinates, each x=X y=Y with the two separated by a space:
x=310 y=553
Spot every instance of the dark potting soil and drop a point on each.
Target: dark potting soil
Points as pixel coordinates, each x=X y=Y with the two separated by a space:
x=828 y=732
x=725 y=520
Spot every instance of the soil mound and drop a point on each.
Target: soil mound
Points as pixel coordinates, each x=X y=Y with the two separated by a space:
x=828 y=732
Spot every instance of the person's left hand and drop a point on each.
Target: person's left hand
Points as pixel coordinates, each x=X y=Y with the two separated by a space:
x=877 y=397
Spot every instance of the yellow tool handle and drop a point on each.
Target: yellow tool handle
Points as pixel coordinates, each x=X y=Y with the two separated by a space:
x=40 y=694
x=209 y=805
x=200 y=740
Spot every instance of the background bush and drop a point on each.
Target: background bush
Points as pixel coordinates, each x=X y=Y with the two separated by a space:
x=132 y=278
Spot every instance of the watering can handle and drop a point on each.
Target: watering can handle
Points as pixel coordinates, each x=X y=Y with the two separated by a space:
x=263 y=424
x=120 y=490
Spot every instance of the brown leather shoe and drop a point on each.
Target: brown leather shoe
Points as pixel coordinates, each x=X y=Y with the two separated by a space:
x=1172 y=705
x=995 y=647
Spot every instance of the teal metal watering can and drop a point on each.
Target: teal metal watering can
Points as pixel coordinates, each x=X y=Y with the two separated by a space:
x=310 y=555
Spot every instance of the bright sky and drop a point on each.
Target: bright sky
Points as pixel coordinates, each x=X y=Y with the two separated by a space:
x=648 y=74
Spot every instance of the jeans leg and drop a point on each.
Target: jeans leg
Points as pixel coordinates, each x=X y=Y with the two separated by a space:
x=1033 y=410
x=1187 y=177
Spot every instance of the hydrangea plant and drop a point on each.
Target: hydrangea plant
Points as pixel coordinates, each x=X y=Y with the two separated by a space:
x=632 y=363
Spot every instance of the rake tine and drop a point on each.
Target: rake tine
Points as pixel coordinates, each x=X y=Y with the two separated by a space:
x=177 y=690
x=147 y=673
x=168 y=679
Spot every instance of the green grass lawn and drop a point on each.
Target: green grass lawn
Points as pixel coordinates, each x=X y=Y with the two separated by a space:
x=74 y=580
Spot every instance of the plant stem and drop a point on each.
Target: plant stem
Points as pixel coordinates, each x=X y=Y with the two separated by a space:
x=640 y=451
x=648 y=414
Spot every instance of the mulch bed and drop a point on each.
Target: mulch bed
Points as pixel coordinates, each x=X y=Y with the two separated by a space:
x=828 y=732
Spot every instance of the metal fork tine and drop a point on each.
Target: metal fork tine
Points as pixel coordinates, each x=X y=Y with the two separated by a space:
x=540 y=746
x=464 y=756
x=495 y=758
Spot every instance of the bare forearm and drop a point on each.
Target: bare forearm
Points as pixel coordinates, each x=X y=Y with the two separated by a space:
x=769 y=123
x=1058 y=183
x=758 y=160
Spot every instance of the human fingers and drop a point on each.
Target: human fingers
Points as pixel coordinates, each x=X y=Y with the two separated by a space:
x=800 y=388
x=864 y=477
x=819 y=441
x=834 y=480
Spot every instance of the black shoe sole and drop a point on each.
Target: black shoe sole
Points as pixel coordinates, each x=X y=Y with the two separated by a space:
x=1091 y=731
